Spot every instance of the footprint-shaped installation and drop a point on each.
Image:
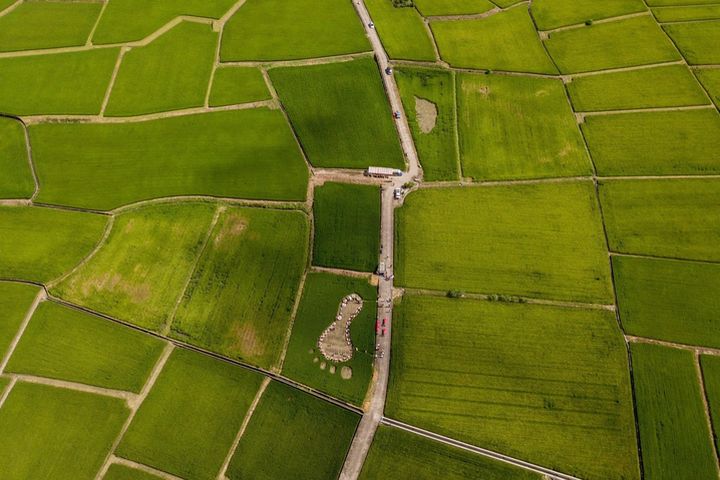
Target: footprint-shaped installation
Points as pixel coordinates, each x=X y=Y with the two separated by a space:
x=335 y=343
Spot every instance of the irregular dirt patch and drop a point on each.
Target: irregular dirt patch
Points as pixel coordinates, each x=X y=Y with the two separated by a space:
x=246 y=340
x=335 y=343
x=346 y=373
x=233 y=227
x=426 y=113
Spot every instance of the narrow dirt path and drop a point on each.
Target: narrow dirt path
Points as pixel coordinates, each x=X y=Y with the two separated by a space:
x=708 y=413
x=141 y=467
x=113 y=77
x=129 y=397
x=680 y=346
x=6 y=393
x=575 y=26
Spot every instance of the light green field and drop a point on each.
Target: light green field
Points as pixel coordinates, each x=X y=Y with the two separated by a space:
x=555 y=377
x=504 y=41
x=234 y=85
x=674 y=435
x=141 y=270
x=16 y=180
x=543 y=241
x=684 y=13
x=671 y=86
x=61 y=83
x=187 y=423
x=697 y=41
x=67 y=344
x=132 y=20
x=394 y=451
x=710 y=78
x=322 y=295
x=48 y=432
x=299 y=29
x=15 y=300
x=340 y=113
x=655 y=143
x=623 y=43
x=667 y=218
x=44 y=24
x=244 y=153
x=711 y=376
x=436 y=148
x=121 y=472
x=347 y=226
x=240 y=297
x=661 y=3
x=171 y=73
x=551 y=14
x=402 y=31
x=40 y=244
x=452 y=7
x=5 y=4
x=668 y=300
x=517 y=127
x=293 y=435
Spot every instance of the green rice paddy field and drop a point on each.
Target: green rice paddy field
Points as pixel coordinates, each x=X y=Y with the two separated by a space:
x=17 y=180
x=15 y=300
x=234 y=85
x=403 y=32
x=452 y=7
x=551 y=14
x=121 y=472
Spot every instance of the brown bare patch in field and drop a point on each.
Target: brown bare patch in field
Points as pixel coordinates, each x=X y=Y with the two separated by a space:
x=542 y=93
x=566 y=150
x=232 y=228
x=246 y=340
x=426 y=112
x=346 y=373
x=116 y=283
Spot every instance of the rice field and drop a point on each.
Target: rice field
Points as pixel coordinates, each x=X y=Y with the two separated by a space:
x=235 y=85
x=402 y=31
x=452 y=7
x=15 y=301
x=121 y=472
x=16 y=180
x=711 y=376
x=710 y=78
x=551 y=14
x=697 y=41
x=686 y=13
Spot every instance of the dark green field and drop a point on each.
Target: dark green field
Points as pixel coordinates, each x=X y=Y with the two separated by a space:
x=16 y=180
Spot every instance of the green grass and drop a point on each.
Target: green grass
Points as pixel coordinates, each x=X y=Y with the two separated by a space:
x=240 y=297
x=543 y=241
x=674 y=436
x=623 y=43
x=671 y=86
x=132 y=20
x=321 y=297
x=188 y=422
x=141 y=270
x=40 y=244
x=551 y=14
x=38 y=25
x=452 y=7
x=667 y=218
x=340 y=113
x=402 y=31
x=234 y=85
x=711 y=376
x=394 y=450
x=16 y=180
x=62 y=83
x=690 y=12
x=504 y=41
x=244 y=153
x=655 y=143
x=697 y=41
x=48 y=432
x=68 y=344
x=347 y=226
x=668 y=300
x=15 y=300
x=517 y=127
x=121 y=472
x=437 y=148
x=171 y=73
x=299 y=29
x=293 y=435
x=661 y=3
x=710 y=78
x=489 y=373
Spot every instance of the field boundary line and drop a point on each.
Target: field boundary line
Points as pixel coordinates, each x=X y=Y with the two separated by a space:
x=39 y=298
x=10 y=8
x=243 y=427
x=129 y=397
x=631 y=68
x=697 y=349
x=135 y=406
x=576 y=26
x=658 y=177
x=476 y=71
x=659 y=257
x=695 y=20
x=476 y=16
x=115 y=460
x=5 y=393
x=500 y=183
x=293 y=314
x=621 y=111
x=555 y=475
x=219 y=210
x=342 y=271
x=113 y=77
x=299 y=62
x=231 y=11
x=241 y=202
x=88 y=257
x=31 y=161
x=97 y=22
x=706 y=408
x=456 y=126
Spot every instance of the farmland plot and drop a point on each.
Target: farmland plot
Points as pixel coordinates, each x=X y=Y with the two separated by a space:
x=697 y=41
x=674 y=436
x=48 y=432
x=711 y=375
x=428 y=97
x=710 y=78
x=660 y=3
x=16 y=180
x=666 y=218
x=188 y=422
x=242 y=290
x=233 y=85
x=141 y=270
x=655 y=143
x=517 y=127
x=452 y=7
x=685 y=13
x=244 y=153
x=490 y=373
x=71 y=345
x=551 y=14
x=542 y=241
x=293 y=435
x=347 y=226
x=504 y=41
x=15 y=300
x=402 y=31
x=319 y=304
x=121 y=472
x=40 y=244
